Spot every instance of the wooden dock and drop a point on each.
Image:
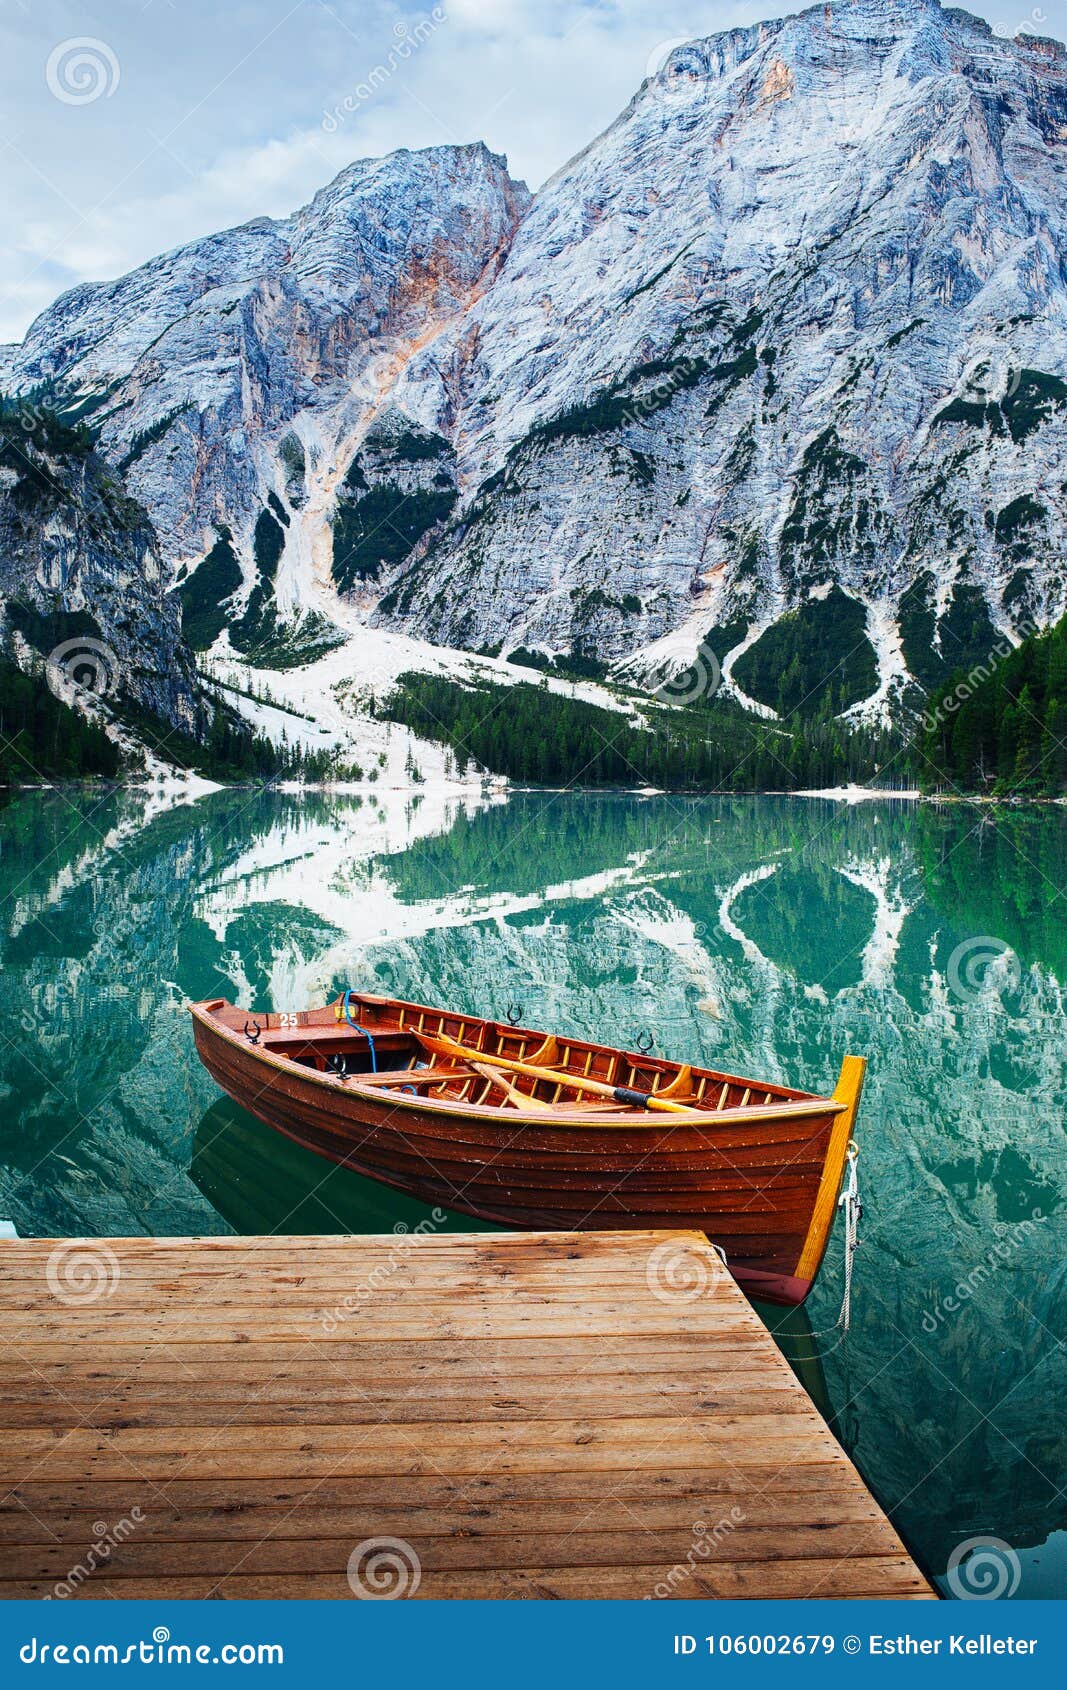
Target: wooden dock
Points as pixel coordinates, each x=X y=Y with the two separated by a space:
x=520 y=1415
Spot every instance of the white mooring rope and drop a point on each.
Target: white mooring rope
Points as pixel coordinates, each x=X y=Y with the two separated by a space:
x=849 y=1200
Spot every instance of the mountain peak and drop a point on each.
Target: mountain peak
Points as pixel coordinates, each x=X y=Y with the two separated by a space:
x=774 y=370
x=865 y=25
x=808 y=306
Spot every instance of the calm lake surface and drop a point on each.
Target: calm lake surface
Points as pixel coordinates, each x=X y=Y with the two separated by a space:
x=760 y=935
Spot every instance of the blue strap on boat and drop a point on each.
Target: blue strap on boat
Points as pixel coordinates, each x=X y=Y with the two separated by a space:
x=346 y=1005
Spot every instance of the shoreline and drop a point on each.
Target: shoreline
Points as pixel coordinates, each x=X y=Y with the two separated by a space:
x=198 y=786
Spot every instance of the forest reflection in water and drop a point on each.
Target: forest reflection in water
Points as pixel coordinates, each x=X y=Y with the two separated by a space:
x=763 y=935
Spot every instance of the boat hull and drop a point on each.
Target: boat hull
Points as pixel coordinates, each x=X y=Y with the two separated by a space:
x=751 y=1186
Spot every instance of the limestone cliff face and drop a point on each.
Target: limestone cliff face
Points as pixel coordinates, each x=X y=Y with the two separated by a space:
x=777 y=364
x=82 y=586
x=250 y=363
x=795 y=322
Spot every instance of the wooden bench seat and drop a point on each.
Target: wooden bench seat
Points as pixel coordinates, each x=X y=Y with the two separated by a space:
x=287 y=1039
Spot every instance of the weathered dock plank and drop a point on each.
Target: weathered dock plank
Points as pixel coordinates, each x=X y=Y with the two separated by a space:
x=527 y=1415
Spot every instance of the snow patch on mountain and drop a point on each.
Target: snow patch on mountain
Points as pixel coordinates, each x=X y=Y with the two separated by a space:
x=787 y=344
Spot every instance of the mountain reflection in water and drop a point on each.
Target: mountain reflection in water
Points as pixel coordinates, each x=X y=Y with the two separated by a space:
x=768 y=936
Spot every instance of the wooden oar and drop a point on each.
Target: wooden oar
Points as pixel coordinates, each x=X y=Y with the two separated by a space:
x=522 y=1098
x=574 y=1082
x=791 y=1109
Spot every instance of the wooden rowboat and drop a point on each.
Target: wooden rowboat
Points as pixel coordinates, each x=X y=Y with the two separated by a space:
x=534 y=1131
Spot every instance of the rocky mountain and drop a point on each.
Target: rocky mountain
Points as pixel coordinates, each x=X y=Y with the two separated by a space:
x=232 y=379
x=82 y=584
x=776 y=368
x=789 y=338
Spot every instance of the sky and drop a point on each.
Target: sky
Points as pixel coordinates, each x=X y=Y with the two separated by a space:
x=130 y=126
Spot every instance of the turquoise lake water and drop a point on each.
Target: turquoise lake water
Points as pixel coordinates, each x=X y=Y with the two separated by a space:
x=762 y=935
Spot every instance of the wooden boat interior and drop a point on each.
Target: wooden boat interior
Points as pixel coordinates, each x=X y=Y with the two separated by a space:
x=408 y=1052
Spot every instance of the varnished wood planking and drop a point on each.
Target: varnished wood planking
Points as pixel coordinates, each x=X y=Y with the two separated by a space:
x=531 y=1413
